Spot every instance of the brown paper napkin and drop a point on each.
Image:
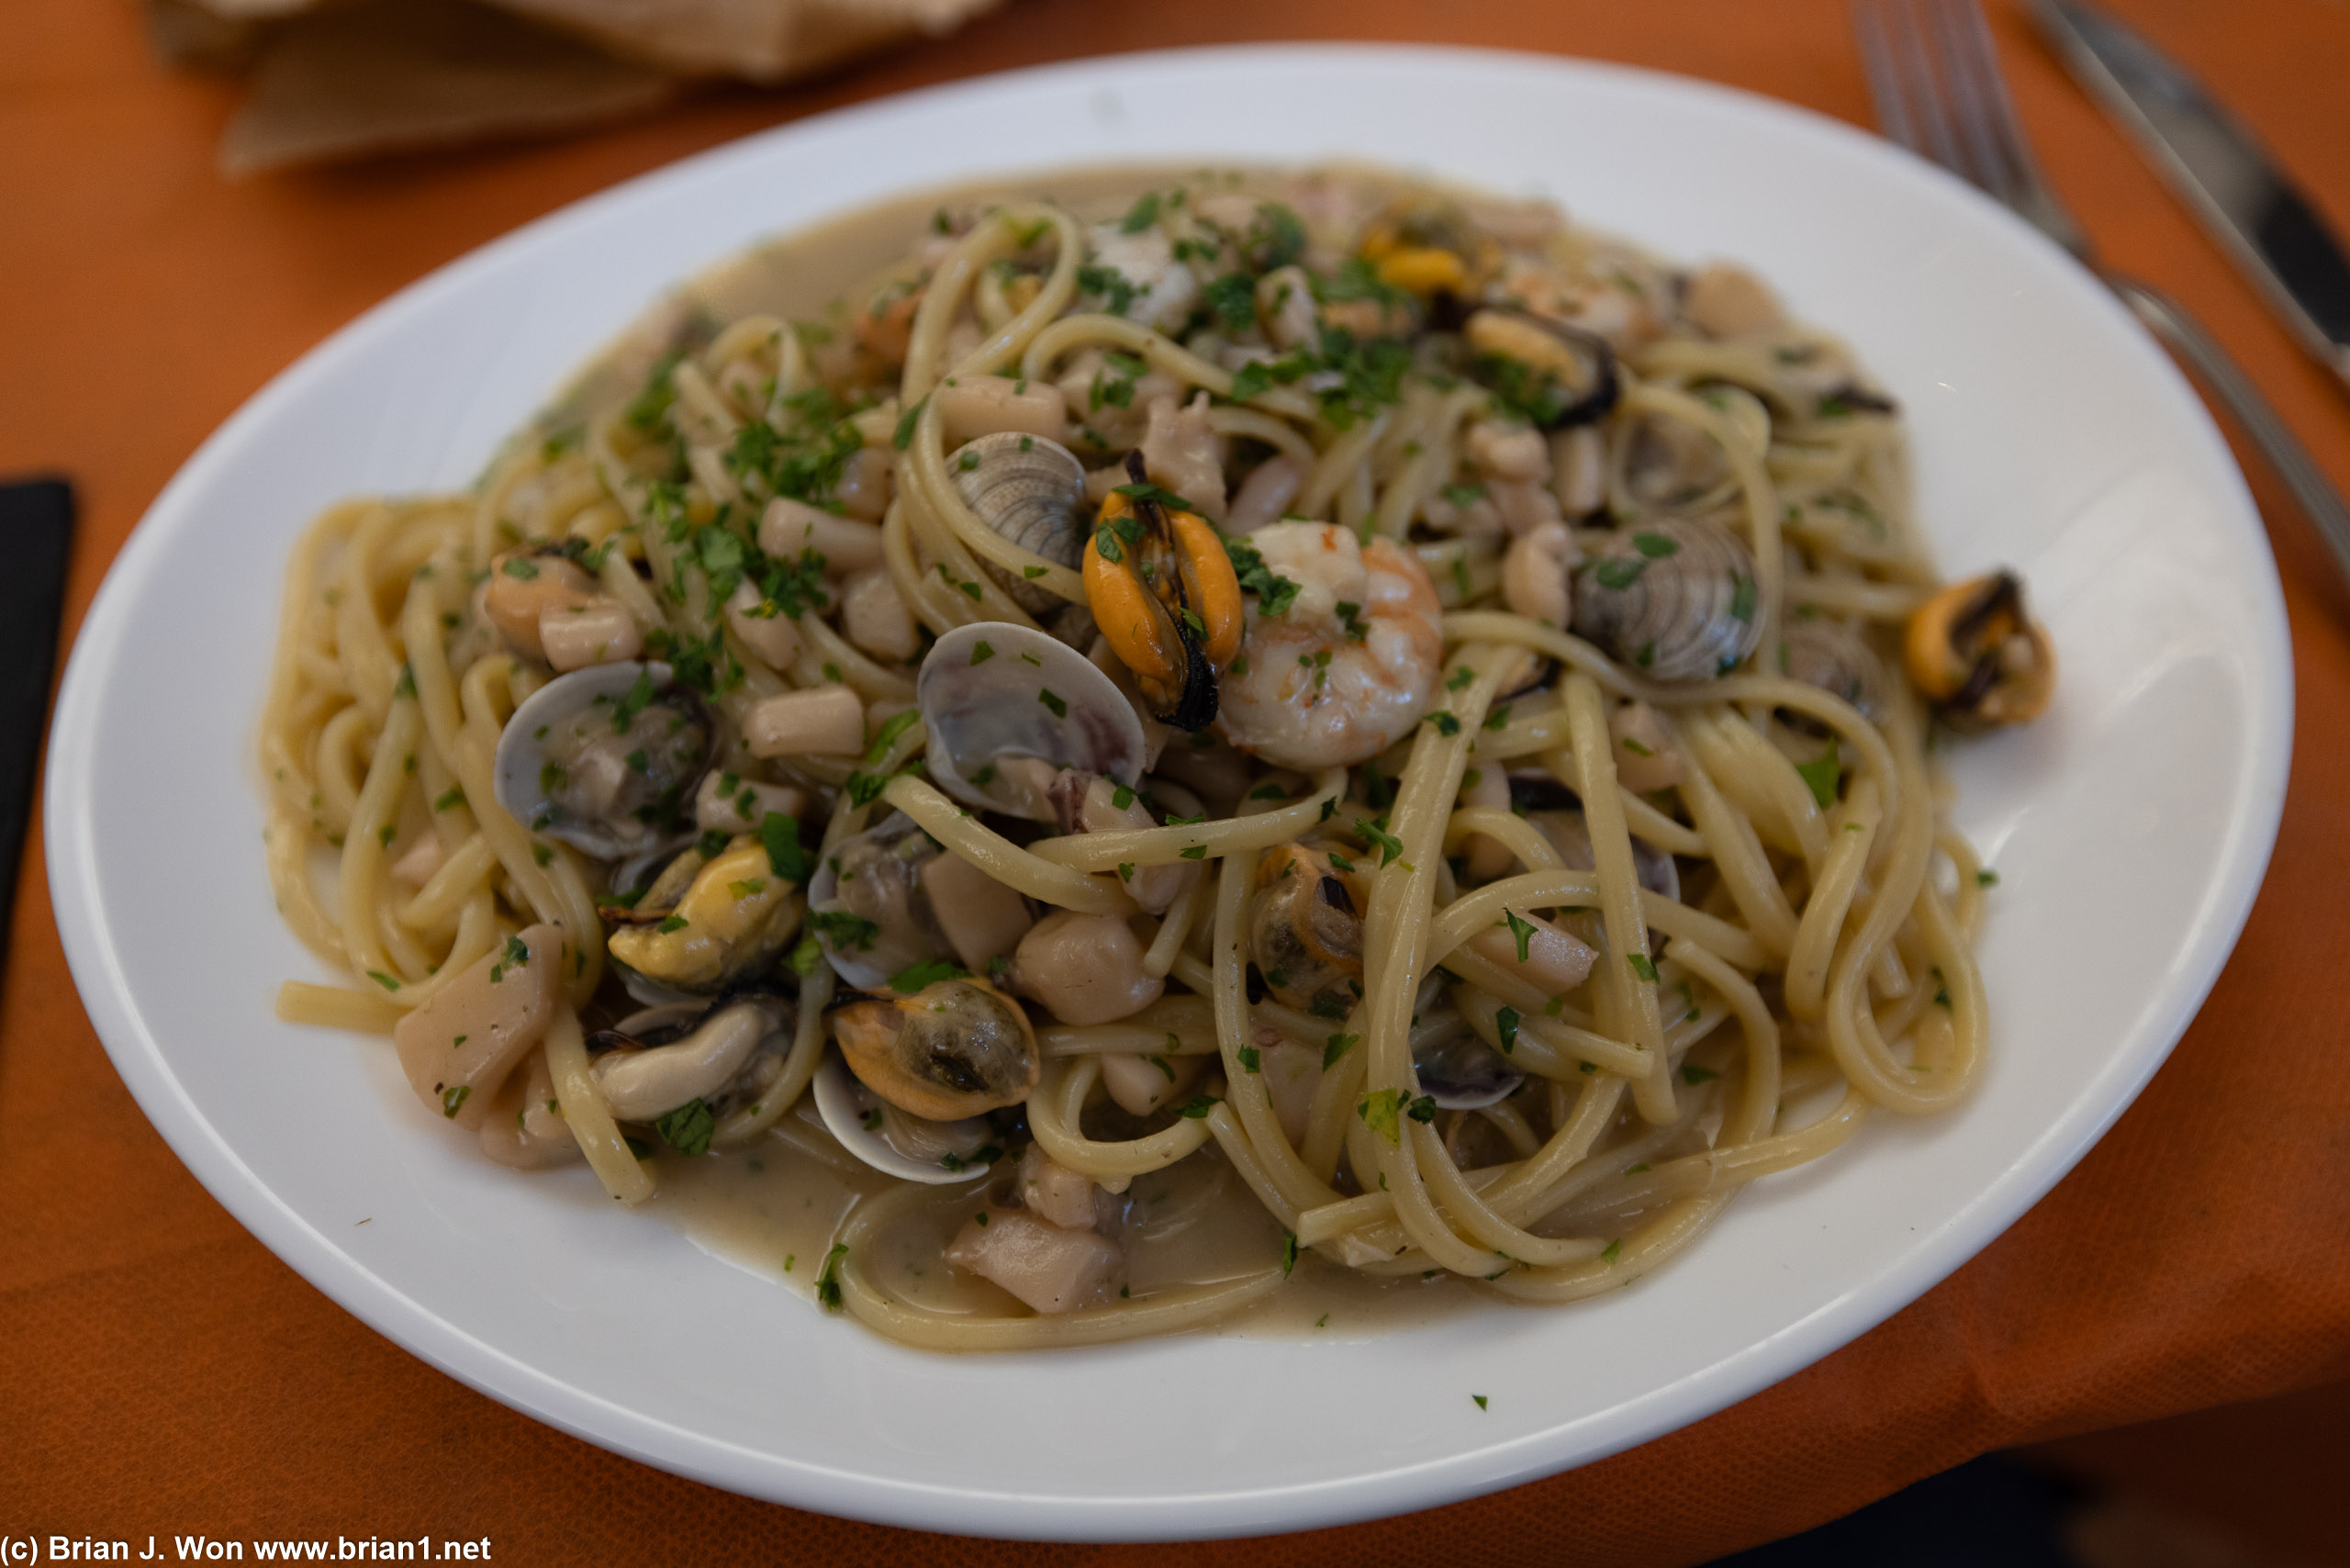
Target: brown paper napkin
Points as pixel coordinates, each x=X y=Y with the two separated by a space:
x=343 y=79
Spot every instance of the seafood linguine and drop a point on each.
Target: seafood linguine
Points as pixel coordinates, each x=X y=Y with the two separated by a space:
x=1407 y=714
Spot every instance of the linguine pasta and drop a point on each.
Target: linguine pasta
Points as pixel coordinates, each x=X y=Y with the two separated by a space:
x=1394 y=718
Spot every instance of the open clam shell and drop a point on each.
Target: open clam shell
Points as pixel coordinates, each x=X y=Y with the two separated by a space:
x=887 y=1138
x=1570 y=834
x=994 y=693
x=882 y=866
x=605 y=759
x=1456 y=1069
x=1674 y=597
x=1030 y=490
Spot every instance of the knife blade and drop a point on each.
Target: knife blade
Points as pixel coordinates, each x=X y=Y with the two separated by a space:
x=2219 y=168
x=37 y=532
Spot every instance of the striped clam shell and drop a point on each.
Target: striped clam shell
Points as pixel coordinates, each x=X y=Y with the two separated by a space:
x=1833 y=657
x=1030 y=490
x=1672 y=596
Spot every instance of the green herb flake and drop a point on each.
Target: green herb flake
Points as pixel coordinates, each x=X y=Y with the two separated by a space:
x=1505 y=1022
x=1333 y=1048
x=1822 y=773
x=779 y=833
x=1274 y=593
x=1142 y=215
x=1381 y=1111
x=828 y=1284
x=1614 y=1251
x=903 y=437
x=1289 y=1258
x=1741 y=598
x=1643 y=965
x=687 y=1129
x=916 y=977
x=1521 y=931
x=1480 y=1399
x=1198 y=1106
x=843 y=930
x=1389 y=847
x=1059 y=706
x=1693 y=1076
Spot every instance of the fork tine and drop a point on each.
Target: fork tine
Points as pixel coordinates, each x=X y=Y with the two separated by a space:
x=1916 y=54
x=1971 y=74
x=1883 y=76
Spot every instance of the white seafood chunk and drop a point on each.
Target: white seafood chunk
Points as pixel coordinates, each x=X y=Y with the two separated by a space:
x=980 y=917
x=458 y=1048
x=1051 y=1269
x=1085 y=968
x=597 y=631
x=1052 y=1192
x=1141 y=1084
x=827 y=720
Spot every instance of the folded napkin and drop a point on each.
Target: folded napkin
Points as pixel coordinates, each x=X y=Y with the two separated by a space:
x=333 y=81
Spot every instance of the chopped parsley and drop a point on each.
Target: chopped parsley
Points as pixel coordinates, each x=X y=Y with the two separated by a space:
x=891 y=728
x=687 y=1129
x=917 y=976
x=1619 y=573
x=843 y=930
x=1822 y=774
x=1336 y=1046
x=1505 y=1022
x=1521 y=930
x=781 y=835
x=1274 y=593
x=1142 y=215
x=1381 y=1111
x=1233 y=298
x=1111 y=284
x=1389 y=847
x=828 y=1284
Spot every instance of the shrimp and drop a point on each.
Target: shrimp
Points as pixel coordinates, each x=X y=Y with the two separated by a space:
x=1348 y=665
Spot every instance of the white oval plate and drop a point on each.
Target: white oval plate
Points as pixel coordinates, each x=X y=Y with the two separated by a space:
x=2129 y=826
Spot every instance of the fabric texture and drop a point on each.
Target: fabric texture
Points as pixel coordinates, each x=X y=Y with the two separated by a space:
x=166 y=1374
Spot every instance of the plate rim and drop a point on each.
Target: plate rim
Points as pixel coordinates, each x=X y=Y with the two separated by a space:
x=139 y=1056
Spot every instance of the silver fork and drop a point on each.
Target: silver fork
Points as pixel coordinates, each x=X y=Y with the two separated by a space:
x=1935 y=76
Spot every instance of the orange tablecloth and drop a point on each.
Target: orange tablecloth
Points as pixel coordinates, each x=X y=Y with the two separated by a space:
x=165 y=1374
